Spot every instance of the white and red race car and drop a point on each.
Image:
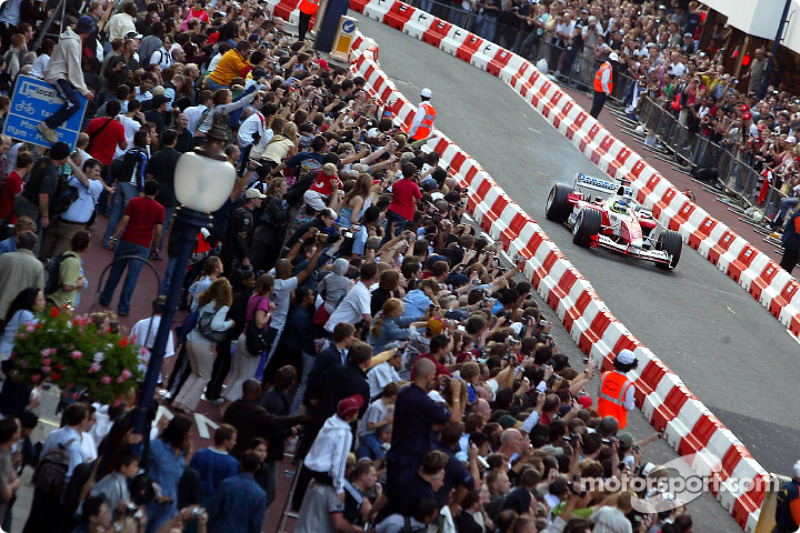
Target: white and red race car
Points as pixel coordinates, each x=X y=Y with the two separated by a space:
x=602 y=213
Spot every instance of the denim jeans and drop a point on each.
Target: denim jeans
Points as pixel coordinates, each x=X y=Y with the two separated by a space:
x=125 y=192
x=308 y=362
x=134 y=268
x=72 y=103
x=373 y=443
x=398 y=221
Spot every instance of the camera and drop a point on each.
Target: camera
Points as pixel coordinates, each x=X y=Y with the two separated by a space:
x=131 y=509
x=197 y=512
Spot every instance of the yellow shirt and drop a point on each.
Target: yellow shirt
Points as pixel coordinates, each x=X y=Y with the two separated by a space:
x=229 y=67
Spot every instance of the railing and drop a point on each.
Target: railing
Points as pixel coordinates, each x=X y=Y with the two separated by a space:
x=694 y=150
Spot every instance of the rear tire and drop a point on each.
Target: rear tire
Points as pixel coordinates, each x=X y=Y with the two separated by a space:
x=587 y=226
x=670 y=242
x=558 y=207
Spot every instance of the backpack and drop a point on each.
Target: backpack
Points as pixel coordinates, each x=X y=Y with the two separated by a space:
x=52 y=273
x=65 y=196
x=306 y=175
x=51 y=474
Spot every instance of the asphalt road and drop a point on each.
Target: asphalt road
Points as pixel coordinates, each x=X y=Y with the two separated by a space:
x=724 y=345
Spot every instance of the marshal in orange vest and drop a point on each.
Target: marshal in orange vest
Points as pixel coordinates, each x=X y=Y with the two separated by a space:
x=614 y=387
x=425 y=127
x=598 y=78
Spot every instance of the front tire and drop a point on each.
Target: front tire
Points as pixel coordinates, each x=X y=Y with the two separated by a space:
x=587 y=226
x=670 y=242
x=558 y=207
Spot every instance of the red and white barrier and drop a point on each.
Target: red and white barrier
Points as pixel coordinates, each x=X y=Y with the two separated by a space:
x=690 y=427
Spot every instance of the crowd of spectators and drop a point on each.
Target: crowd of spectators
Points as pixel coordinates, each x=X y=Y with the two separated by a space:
x=374 y=328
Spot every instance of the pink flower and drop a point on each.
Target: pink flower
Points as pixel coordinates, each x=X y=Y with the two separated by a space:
x=30 y=328
x=126 y=374
x=106 y=379
x=94 y=368
x=35 y=378
x=77 y=354
x=46 y=369
x=45 y=352
x=46 y=361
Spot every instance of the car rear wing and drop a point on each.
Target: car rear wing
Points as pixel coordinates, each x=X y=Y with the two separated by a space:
x=592 y=187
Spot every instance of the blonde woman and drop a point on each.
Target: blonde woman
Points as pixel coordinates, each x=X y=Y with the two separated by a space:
x=281 y=146
x=390 y=326
x=356 y=201
x=211 y=327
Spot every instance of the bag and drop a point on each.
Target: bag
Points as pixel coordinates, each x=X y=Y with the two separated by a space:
x=64 y=197
x=321 y=316
x=52 y=273
x=204 y=327
x=51 y=474
x=256 y=339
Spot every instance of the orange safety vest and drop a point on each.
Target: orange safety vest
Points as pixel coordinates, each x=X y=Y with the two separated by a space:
x=611 y=401
x=426 y=126
x=309 y=7
x=598 y=78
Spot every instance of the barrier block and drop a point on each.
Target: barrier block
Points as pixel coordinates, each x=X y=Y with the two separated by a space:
x=494 y=212
x=484 y=55
x=377 y=9
x=513 y=66
x=499 y=62
x=398 y=15
x=514 y=228
x=616 y=165
x=284 y=9
x=437 y=31
x=562 y=288
x=578 y=309
x=670 y=407
x=764 y=279
x=700 y=434
x=469 y=48
x=649 y=378
x=576 y=125
x=418 y=24
x=358 y=5
x=782 y=300
x=595 y=332
x=721 y=247
x=660 y=205
x=742 y=261
x=682 y=215
x=593 y=131
x=551 y=105
x=702 y=232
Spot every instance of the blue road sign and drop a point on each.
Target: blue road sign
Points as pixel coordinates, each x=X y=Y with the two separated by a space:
x=348 y=27
x=32 y=101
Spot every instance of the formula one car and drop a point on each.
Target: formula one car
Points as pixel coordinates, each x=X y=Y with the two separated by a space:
x=602 y=213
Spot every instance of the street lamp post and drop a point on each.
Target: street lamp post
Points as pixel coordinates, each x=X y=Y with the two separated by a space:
x=203 y=182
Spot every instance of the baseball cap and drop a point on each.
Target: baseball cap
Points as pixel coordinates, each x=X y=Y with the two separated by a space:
x=425 y=93
x=625 y=439
x=85 y=25
x=626 y=357
x=254 y=193
x=791 y=139
x=323 y=64
x=585 y=402
x=747 y=115
x=613 y=56
x=348 y=407
x=508 y=421
x=134 y=35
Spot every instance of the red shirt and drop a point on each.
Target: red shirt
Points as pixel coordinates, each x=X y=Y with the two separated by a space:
x=404 y=193
x=105 y=143
x=144 y=214
x=323 y=184
x=12 y=186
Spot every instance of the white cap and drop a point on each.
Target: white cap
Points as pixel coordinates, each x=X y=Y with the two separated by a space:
x=791 y=139
x=613 y=56
x=425 y=93
x=254 y=193
x=796 y=469
x=626 y=357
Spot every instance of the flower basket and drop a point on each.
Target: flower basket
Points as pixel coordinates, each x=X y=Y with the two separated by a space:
x=73 y=353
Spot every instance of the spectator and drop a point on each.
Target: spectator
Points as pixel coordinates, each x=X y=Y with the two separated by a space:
x=140 y=228
x=166 y=463
x=22 y=225
x=379 y=414
x=240 y=231
x=215 y=465
x=12 y=186
x=355 y=307
x=240 y=504
x=114 y=487
x=70 y=273
x=65 y=74
x=19 y=269
x=402 y=208
x=88 y=182
x=212 y=324
x=787 y=511
x=106 y=134
x=21 y=312
x=130 y=183
x=34 y=200
x=9 y=481
x=161 y=167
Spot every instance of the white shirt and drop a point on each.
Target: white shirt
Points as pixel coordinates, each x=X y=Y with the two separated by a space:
x=82 y=208
x=131 y=127
x=376 y=412
x=39 y=66
x=62 y=436
x=253 y=124
x=380 y=376
x=88 y=447
x=281 y=295
x=329 y=452
x=144 y=334
x=352 y=309
x=162 y=58
x=193 y=114
x=677 y=69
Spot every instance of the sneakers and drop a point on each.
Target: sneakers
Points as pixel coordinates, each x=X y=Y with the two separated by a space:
x=47 y=132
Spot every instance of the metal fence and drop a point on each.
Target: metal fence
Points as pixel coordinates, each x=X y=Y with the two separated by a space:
x=696 y=151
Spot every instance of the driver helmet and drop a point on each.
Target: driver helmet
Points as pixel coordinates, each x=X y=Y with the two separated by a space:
x=620 y=206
